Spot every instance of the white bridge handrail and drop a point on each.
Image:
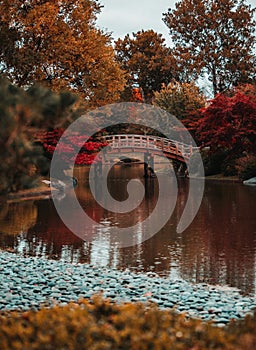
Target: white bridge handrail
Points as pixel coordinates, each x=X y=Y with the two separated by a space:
x=150 y=143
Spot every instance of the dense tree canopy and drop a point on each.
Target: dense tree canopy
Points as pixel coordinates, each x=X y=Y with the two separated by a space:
x=147 y=61
x=57 y=42
x=183 y=100
x=180 y=99
x=229 y=124
x=214 y=38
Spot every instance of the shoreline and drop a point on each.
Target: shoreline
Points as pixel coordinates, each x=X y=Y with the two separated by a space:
x=222 y=178
x=45 y=192
x=31 y=283
x=40 y=192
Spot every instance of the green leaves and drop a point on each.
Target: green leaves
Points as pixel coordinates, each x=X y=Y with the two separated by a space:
x=180 y=99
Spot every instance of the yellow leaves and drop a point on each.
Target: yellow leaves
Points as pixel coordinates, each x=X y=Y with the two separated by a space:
x=98 y=324
x=58 y=44
x=42 y=18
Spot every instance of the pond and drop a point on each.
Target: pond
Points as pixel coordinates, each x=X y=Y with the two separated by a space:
x=219 y=247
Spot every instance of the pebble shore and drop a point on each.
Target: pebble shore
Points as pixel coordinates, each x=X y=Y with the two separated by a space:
x=30 y=283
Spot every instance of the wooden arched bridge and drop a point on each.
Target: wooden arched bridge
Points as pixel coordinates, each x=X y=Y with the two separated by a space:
x=151 y=146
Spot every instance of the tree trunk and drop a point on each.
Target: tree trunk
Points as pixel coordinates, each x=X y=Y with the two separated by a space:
x=214 y=80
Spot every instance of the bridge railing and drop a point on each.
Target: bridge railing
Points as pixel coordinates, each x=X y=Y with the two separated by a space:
x=150 y=143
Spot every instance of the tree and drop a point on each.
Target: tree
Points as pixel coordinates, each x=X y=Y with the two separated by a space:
x=57 y=43
x=22 y=114
x=183 y=100
x=147 y=61
x=214 y=37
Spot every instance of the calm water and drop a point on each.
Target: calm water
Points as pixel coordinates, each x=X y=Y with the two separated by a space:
x=219 y=247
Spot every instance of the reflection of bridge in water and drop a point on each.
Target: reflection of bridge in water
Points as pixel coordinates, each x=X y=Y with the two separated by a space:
x=151 y=146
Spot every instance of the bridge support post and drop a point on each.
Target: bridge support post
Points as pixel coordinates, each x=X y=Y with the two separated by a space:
x=98 y=169
x=182 y=170
x=148 y=165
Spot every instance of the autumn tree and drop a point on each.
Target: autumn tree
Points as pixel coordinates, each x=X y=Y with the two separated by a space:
x=147 y=61
x=214 y=38
x=182 y=100
x=57 y=43
x=229 y=124
x=227 y=132
x=246 y=89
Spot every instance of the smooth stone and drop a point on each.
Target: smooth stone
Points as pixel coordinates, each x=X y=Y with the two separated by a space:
x=250 y=182
x=110 y=295
x=56 y=295
x=182 y=308
x=51 y=284
x=156 y=301
x=168 y=304
x=223 y=320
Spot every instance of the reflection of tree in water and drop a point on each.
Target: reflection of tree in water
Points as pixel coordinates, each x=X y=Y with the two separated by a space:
x=50 y=237
x=34 y=228
x=144 y=256
x=15 y=219
x=162 y=250
x=218 y=248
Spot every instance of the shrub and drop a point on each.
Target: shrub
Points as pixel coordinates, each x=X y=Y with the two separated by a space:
x=100 y=325
x=246 y=167
x=229 y=123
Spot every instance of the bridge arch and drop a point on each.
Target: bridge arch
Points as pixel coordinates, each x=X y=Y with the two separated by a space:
x=151 y=146
x=155 y=145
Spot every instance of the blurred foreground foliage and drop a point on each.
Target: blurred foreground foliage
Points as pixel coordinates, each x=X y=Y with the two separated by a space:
x=100 y=325
x=22 y=114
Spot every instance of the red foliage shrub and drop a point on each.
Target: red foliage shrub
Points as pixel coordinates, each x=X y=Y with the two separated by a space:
x=68 y=146
x=246 y=167
x=229 y=123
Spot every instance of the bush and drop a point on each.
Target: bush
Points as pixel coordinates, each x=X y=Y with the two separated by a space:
x=246 y=167
x=100 y=325
x=229 y=123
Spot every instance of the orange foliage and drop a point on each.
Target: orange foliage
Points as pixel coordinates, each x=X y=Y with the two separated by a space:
x=137 y=95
